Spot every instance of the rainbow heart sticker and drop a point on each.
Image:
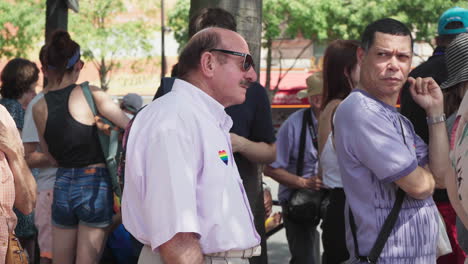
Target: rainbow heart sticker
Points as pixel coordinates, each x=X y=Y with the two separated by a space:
x=223 y=156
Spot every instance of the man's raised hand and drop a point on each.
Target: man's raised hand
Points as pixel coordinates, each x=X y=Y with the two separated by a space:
x=427 y=94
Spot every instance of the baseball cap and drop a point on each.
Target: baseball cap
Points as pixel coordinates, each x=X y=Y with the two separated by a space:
x=132 y=102
x=455 y=14
x=314 y=86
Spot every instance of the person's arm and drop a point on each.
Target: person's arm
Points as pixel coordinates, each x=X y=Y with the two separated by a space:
x=40 y=114
x=427 y=94
x=291 y=180
x=452 y=190
x=182 y=248
x=107 y=108
x=419 y=184
x=36 y=159
x=325 y=123
x=25 y=185
x=259 y=152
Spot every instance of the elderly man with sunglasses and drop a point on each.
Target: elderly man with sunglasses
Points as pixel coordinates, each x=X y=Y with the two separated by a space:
x=183 y=196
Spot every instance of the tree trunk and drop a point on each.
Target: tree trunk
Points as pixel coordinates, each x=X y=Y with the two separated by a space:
x=248 y=14
x=103 y=70
x=56 y=17
x=268 y=69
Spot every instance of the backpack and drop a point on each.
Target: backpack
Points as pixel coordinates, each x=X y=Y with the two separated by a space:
x=110 y=143
x=122 y=161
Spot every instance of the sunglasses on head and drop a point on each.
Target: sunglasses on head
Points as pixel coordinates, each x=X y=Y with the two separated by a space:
x=248 y=61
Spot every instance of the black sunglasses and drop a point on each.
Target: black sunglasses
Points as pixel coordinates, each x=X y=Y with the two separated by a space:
x=248 y=61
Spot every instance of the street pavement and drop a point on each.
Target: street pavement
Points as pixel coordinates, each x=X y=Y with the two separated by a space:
x=278 y=251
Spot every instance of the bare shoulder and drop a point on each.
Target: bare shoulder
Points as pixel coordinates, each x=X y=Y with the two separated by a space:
x=329 y=109
x=94 y=88
x=40 y=106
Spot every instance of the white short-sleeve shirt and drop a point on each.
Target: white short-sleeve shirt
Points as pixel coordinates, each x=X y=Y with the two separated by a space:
x=180 y=175
x=46 y=177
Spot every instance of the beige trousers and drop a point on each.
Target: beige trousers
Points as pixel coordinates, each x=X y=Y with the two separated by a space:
x=147 y=256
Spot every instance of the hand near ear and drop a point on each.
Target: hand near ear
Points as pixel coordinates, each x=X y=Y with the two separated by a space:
x=427 y=94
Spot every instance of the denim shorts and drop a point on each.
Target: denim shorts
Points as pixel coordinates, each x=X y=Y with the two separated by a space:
x=82 y=196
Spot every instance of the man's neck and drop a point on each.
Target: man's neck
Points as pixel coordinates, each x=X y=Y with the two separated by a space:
x=205 y=87
x=391 y=100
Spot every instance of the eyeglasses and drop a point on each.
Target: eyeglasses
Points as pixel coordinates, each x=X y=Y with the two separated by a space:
x=248 y=61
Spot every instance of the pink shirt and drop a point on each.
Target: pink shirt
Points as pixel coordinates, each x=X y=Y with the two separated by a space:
x=7 y=191
x=180 y=175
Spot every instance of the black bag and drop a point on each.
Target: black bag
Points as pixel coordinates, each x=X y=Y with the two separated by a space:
x=305 y=205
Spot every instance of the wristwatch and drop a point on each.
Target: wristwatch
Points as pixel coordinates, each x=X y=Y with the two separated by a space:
x=431 y=120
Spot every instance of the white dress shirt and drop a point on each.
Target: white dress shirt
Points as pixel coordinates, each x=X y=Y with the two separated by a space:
x=180 y=175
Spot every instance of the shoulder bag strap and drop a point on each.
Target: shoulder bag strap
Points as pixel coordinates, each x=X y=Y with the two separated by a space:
x=89 y=97
x=386 y=228
x=300 y=155
x=312 y=131
x=113 y=142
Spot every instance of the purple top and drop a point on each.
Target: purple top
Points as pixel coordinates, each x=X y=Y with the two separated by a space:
x=287 y=149
x=372 y=155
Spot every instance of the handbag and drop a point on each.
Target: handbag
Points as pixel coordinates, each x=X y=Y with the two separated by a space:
x=15 y=252
x=443 y=243
x=305 y=205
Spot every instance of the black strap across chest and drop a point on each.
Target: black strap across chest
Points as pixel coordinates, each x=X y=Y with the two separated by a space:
x=386 y=228
x=307 y=124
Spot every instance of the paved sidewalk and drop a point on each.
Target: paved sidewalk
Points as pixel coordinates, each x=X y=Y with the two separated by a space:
x=278 y=251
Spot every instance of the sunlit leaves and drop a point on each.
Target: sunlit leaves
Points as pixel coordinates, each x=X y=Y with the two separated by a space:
x=21 y=27
x=107 y=33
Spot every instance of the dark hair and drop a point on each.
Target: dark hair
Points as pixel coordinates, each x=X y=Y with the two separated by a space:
x=211 y=17
x=42 y=56
x=61 y=54
x=339 y=58
x=17 y=78
x=189 y=59
x=445 y=40
x=453 y=96
x=387 y=26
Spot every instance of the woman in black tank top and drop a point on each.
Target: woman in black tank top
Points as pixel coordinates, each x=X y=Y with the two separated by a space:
x=82 y=203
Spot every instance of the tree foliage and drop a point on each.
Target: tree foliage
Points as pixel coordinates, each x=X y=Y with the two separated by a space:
x=178 y=21
x=322 y=21
x=326 y=20
x=21 y=27
x=106 y=36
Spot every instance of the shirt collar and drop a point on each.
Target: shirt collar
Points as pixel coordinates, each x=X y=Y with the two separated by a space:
x=204 y=103
x=439 y=51
x=365 y=93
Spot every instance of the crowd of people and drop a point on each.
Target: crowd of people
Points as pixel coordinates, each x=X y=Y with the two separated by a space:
x=388 y=185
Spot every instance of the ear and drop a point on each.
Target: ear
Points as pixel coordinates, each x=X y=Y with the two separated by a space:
x=207 y=64
x=346 y=72
x=44 y=72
